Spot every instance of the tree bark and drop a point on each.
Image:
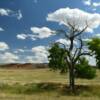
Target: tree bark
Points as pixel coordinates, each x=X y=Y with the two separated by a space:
x=72 y=79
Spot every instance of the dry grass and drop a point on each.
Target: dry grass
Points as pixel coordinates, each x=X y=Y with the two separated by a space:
x=18 y=78
x=30 y=76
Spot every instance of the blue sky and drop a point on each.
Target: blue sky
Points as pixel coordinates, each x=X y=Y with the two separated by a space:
x=17 y=17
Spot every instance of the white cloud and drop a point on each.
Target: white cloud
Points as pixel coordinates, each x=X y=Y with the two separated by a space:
x=21 y=36
x=92 y=60
x=10 y=13
x=76 y=17
x=8 y=57
x=30 y=59
x=39 y=49
x=41 y=33
x=87 y=2
x=1 y=29
x=5 y=12
x=96 y=4
x=40 y=54
x=3 y=46
x=93 y=5
x=19 y=15
x=19 y=50
x=67 y=43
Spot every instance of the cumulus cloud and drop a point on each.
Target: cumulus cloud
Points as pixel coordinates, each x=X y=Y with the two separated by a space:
x=5 y=12
x=75 y=17
x=30 y=59
x=21 y=36
x=38 y=33
x=3 y=46
x=1 y=29
x=40 y=54
x=41 y=33
x=8 y=57
x=66 y=42
x=37 y=54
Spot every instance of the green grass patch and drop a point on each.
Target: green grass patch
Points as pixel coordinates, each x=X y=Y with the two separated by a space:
x=60 y=89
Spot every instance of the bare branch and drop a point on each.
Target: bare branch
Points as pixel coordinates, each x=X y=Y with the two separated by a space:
x=75 y=53
x=72 y=26
x=84 y=53
x=78 y=50
x=74 y=30
x=71 y=44
x=62 y=31
x=79 y=33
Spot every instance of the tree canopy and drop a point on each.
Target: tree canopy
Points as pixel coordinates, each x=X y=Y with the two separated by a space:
x=57 y=58
x=94 y=46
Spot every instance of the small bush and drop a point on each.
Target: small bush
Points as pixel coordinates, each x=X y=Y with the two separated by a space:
x=84 y=70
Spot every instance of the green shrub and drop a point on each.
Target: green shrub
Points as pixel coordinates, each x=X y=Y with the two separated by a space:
x=84 y=70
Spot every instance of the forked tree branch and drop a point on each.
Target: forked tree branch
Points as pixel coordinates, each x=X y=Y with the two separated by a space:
x=79 y=33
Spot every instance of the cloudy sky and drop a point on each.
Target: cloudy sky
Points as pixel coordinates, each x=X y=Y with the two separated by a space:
x=26 y=26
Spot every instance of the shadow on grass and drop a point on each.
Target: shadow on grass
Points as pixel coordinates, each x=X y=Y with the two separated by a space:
x=60 y=89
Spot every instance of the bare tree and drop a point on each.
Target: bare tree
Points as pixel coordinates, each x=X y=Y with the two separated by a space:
x=73 y=52
x=75 y=22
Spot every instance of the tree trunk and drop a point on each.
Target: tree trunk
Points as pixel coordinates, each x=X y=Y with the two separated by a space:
x=72 y=79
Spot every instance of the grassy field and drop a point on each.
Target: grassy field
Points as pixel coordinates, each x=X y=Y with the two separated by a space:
x=43 y=84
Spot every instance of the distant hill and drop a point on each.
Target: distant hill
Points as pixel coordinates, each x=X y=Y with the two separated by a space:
x=24 y=66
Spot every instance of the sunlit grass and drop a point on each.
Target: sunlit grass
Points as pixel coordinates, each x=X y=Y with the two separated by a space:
x=43 y=84
x=28 y=76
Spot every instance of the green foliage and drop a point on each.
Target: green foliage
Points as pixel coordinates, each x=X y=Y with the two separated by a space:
x=94 y=46
x=84 y=70
x=57 y=62
x=57 y=58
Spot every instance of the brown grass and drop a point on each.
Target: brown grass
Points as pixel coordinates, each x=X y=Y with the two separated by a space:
x=16 y=84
